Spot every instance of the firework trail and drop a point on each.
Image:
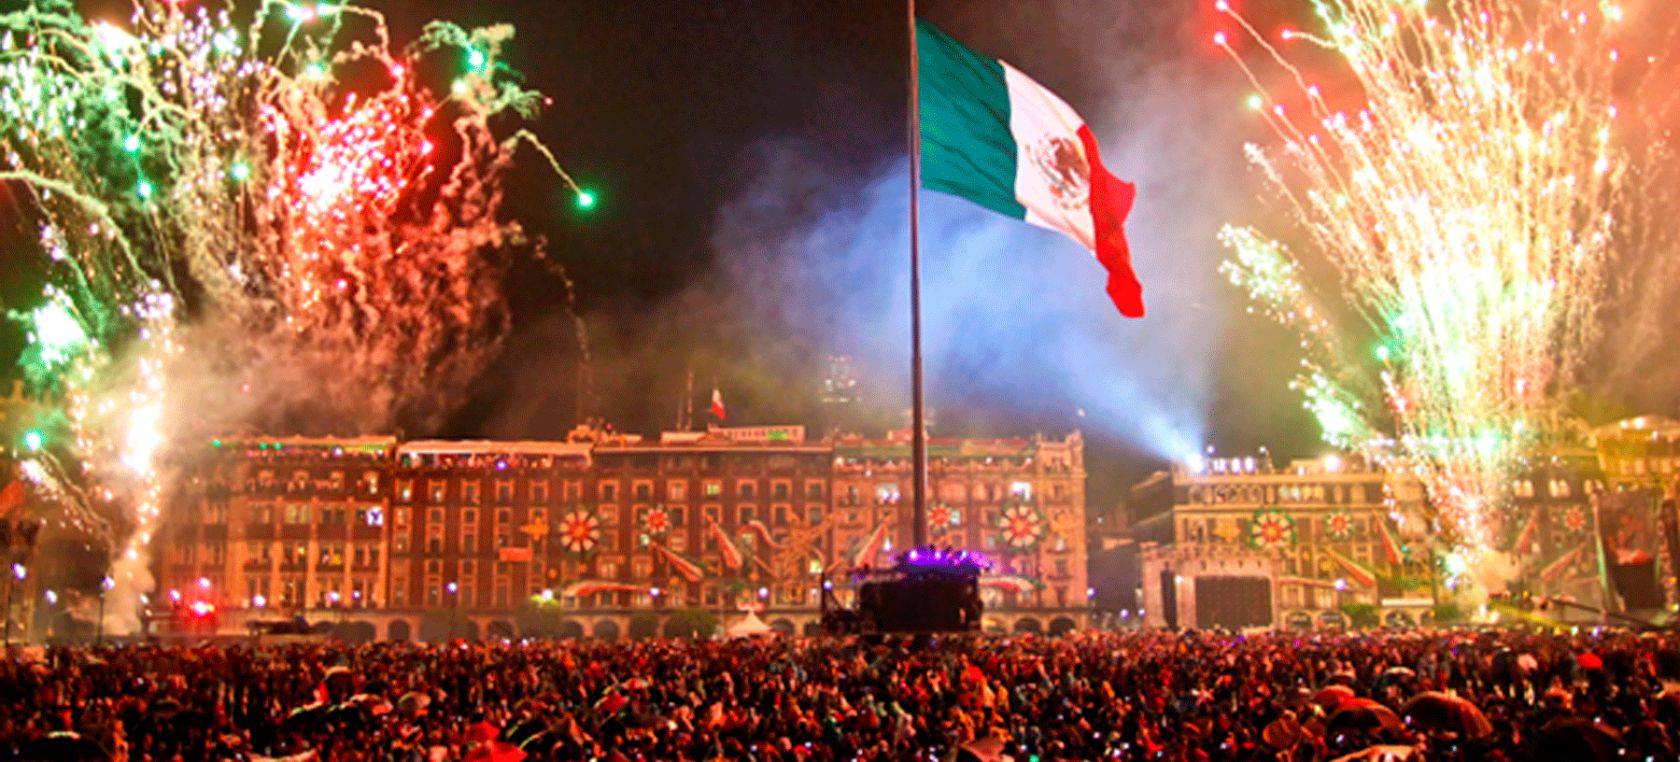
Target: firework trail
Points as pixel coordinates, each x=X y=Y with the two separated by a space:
x=1465 y=195
x=251 y=217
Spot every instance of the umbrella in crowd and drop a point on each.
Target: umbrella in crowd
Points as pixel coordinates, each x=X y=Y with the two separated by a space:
x=66 y=746
x=1578 y=740
x=1136 y=696
x=1331 y=695
x=1435 y=712
x=1365 y=717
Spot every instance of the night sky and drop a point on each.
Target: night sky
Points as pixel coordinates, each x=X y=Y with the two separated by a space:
x=749 y=160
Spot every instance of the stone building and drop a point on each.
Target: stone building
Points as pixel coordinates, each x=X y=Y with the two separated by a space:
x=1639 y=452
x=604 y=533
x=280 y=525
x=1221 y=536
x=1019 y=501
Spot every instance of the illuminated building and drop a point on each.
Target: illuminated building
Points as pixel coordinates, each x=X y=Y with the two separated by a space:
x=1640 y=452
x=1240 y=542
x=1551 y=538
x=605 y=534
x=1019 y=501
x=280 y=525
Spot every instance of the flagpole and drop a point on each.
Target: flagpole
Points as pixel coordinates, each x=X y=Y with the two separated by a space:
x=918 y=429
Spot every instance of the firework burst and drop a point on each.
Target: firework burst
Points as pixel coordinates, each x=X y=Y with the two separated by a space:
x=252 y=216
x=1465 y=197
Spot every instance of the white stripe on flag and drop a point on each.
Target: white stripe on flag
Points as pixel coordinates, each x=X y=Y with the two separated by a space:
x=1043 y=124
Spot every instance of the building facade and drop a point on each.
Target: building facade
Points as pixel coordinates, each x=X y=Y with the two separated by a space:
x=1327 y=533
x=1019 y=501
x=1222 y=535
x=604 y=533
x=1640 y=452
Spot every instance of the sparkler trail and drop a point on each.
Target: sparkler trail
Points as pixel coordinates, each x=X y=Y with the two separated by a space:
x=1466 y=200
x=277 y=224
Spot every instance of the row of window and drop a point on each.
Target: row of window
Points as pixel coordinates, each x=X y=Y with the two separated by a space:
x=608 y=491
x=954 y=492
x=300 y=554
x=292 y=591
x=1343 y=494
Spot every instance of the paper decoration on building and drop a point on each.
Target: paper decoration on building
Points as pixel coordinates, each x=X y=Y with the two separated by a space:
x=579 y=532
x=656 y=521
x=1339 y=526
x=1271 y=528
x=1022 y=526
x=1575 y=520
x=941 y=516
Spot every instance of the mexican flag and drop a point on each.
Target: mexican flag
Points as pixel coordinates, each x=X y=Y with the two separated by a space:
x=763 y=533
x=1011 y=583
x=731 y=554
x=1523 y=543
x=1358 y=572
x=1306 y=582
x=588 y=587
x=1554 y=570
x=864 y=553
x=1390 y=545
x=681 y=564
x=718 y=410
x=995 y=137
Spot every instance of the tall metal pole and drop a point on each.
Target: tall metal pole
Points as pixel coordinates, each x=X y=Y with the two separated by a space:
x=918 y=426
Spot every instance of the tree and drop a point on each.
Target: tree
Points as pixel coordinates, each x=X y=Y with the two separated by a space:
x=538 y=621
x=441 y=625
x=643 y=625
x=1361 y=615
x=691 y=623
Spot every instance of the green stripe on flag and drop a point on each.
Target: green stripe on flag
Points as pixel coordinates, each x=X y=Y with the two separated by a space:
x=967 y=149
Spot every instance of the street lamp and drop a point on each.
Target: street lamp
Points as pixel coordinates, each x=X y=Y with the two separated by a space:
x=454 y=608
x=19 y=574
x=105 y=585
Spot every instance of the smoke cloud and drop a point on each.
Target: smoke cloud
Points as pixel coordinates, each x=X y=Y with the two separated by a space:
x=811 y=259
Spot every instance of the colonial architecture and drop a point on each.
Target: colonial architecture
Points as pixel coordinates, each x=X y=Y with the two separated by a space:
x=1019 y=501
x=1241 y=542
x=604 y=533
x=282 y=524
x=1221 y=535
x=1640 y=452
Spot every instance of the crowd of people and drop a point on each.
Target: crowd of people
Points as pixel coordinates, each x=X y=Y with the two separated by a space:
x=1421 y=695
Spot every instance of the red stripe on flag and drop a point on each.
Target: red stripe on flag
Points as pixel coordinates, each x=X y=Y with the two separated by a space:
x=11 y=497
x=1111 y=202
